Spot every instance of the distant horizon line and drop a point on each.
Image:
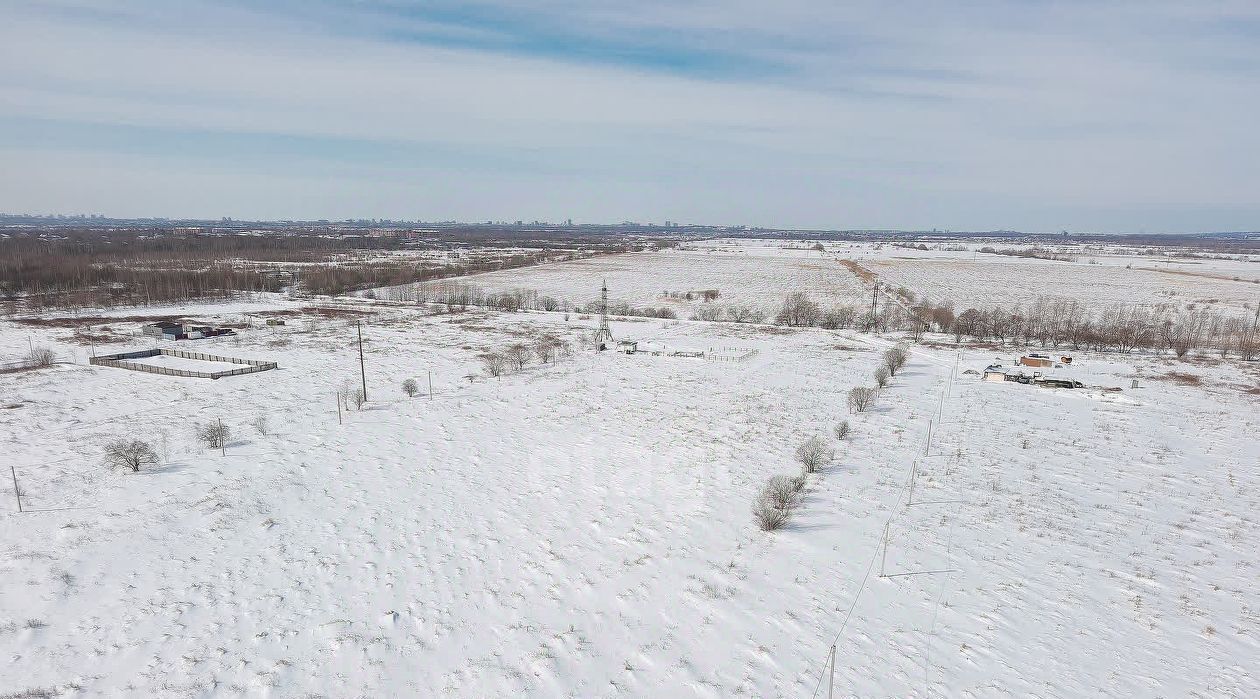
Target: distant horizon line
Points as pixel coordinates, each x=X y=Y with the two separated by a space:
x=667 y=225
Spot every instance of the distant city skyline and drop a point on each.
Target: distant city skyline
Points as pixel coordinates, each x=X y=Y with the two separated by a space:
x=1039 y=117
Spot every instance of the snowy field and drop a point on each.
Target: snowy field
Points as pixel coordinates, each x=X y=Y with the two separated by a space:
x=989 y=283
x=974 y=279
x=583 y=529
x=752 y=275
x=758 y=273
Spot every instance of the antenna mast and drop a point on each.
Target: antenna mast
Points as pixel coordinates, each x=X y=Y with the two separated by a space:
x=604 y=336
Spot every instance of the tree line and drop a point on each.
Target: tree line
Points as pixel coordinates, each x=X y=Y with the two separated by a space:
x=92 y=268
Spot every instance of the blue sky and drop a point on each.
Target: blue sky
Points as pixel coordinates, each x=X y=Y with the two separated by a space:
x=1039 y=116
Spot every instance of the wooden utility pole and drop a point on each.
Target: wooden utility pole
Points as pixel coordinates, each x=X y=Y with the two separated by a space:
x=222 y=438
x=337 y=397
x=17 y=493
x=362 y=370
x=430 y=384
x=883 y=557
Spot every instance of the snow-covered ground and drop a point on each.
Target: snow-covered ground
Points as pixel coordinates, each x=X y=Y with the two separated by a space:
x=583 y=528
x=758 y=273
x=753 y=275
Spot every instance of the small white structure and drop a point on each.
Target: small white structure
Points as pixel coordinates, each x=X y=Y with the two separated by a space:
x=994 y=373
x=627 y=346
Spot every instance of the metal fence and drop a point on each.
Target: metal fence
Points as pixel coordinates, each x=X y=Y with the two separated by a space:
x=249 y=366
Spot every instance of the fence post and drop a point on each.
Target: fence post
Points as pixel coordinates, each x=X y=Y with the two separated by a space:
x=222 y=438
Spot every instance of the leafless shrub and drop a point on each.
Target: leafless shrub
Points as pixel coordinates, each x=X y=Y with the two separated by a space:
x=214 y=434
x=861 y=398
x=894 y=359
x=882 y=374
x=410 y=387
x=814 y=453
x=494 y=363
x=843 y=430
x=41 y=357
x=358 y=397
x=261 y=424
x=130 y=454
x=767 y=516
x=781 y=491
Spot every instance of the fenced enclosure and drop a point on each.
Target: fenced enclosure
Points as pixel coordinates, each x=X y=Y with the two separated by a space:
x=731 y=354
x=248 y=366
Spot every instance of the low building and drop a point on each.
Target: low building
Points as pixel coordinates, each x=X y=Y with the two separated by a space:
x=168 y=330
x=1036 y=360
x=628 y=346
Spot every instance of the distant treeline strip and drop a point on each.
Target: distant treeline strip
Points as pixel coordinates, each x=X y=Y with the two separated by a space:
x=79 y=269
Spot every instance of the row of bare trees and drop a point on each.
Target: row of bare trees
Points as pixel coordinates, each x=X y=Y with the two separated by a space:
x=547 y=349
x=1046 y=323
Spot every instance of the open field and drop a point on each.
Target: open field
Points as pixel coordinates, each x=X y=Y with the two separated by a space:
x=758 y=273
x=583 y=528
x=972 y=279
x=755 y=276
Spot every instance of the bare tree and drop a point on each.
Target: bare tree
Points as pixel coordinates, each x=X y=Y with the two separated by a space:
x=261 y=424
x=493 y=363
x=131 y=455
x=518 y=355
x=410 y=387
x=894 y=359
x=548 y=348
x=358 y=397
x=798 y=310
x=882 y=375
x=843 y=430
x=214 y=433
x=861 y=398
x=813 y=454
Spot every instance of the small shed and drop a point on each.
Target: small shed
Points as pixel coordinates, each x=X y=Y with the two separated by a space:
x=275 y=321
x=1036 y=361
x=627 y=346
x=994 y=373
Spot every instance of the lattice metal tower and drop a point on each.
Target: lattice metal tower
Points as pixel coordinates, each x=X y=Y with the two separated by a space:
x=603 y=337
